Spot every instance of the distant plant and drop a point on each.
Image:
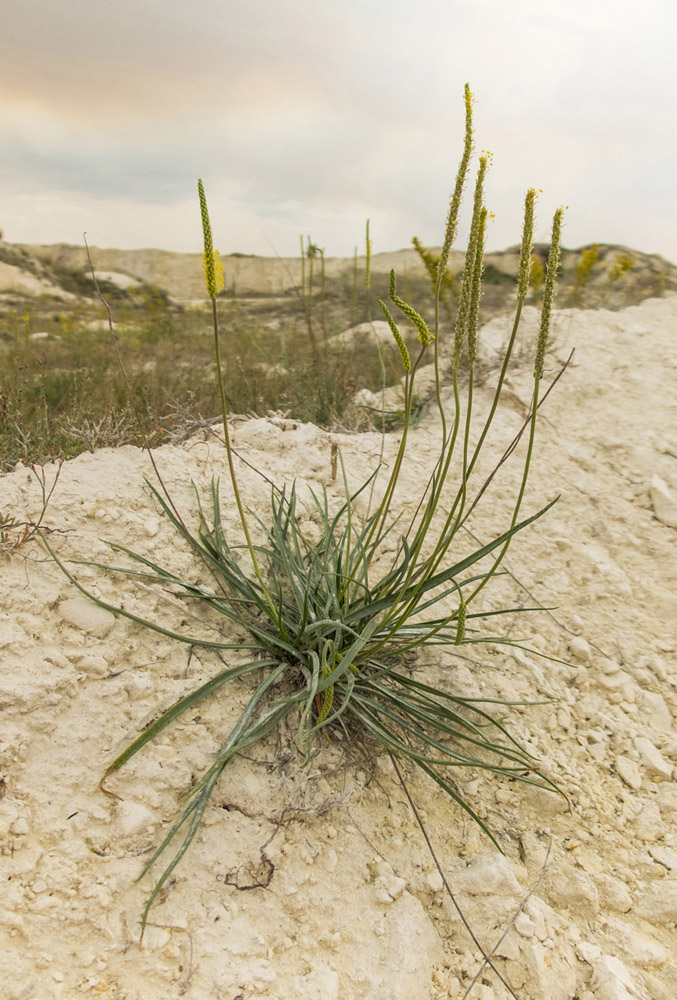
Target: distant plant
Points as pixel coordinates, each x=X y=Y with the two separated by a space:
x=431 y=264
x=622 y=263
x=332 y=621
x=495 y=276
x=588 y=259
x=536 y=274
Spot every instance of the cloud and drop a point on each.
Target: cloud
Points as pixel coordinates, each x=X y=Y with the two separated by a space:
x=310 y=116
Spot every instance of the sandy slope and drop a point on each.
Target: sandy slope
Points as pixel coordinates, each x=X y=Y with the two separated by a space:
x=355 y=909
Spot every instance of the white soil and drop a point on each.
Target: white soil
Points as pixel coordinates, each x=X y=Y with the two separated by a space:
x=355 y=909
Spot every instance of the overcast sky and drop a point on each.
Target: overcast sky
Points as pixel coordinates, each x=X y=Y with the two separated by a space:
x=310 y=116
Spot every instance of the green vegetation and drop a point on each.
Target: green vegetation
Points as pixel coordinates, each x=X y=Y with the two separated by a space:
x=622 y=263
x=332 y=622
x=64 y=392
x=588 y=259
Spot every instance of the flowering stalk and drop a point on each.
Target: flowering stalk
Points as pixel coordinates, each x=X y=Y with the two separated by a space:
x=214 y=281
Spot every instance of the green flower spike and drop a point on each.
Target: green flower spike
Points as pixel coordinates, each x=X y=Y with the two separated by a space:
x=548 y=292
x=404 y=353
x=424 y=334
x=210 y=258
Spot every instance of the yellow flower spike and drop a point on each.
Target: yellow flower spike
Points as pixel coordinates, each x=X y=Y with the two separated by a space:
x=455 y=203
x=424 y=334
x=548 y=292
x=527 y=245
x=402 y=347
x=210 y=257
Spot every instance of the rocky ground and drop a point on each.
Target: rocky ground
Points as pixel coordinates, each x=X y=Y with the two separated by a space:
x=317 y=884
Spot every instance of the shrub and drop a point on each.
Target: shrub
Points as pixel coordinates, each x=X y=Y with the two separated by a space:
x=330 y=621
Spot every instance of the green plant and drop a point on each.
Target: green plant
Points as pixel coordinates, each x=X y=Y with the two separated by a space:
x=536 y=274
x=623 y=262
x=331 y=622
x=589 y=257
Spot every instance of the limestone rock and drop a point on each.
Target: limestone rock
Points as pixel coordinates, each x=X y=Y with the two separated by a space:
x=572 y=889
x=551 y=974
x=635 y=946
x=133 y=817
x=629 y=772
x=87 y=615
x=580 y=649
x=612 y=980
x=665 y=856
x=659 y=902
x=613 y=893
x=663 y=502
x=652 y=758
x=654 y=708
x=493 y=337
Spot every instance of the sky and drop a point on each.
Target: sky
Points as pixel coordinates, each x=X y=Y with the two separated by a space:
x=310 y=116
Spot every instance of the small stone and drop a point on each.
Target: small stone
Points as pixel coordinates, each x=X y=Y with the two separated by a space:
x=434 y=880
x=614 y=894
x=489 y=874
x=663 y=502
x=94 y=666
x=588 y=952
x=132 y=817
x=656 y=711
x=615 y=679
x=629 y=772
x=389 y=888
x=612 y=980
x=580 y=649
x=664 y=856
x=652 y=758
x=648 y=822
x=635 y=946
x=19 y=827
x=525 y=926
x=87 y=615
x=139 y=685
x=155 y=938
x=659 y=903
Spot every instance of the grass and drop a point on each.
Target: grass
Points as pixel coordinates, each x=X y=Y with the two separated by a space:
x=65 y=393
x=332 y=623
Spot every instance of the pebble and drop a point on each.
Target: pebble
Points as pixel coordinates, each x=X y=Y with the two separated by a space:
x=389 y=888
x=663 y=502
x=614 y=894
x=434 y=880
x=132 y=817
x=612 y=980
x=635 y=946
x=525 y=926
x=648 y=822
x=628 y=770
x=659 y=902
x=652 y=758
x=139 y=685
x=588 y=952
x=656 y=712
x=580 y=649
x=87 y=615
x=665 y=856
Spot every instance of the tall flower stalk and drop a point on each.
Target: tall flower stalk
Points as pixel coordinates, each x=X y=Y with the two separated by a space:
x=329 y=621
